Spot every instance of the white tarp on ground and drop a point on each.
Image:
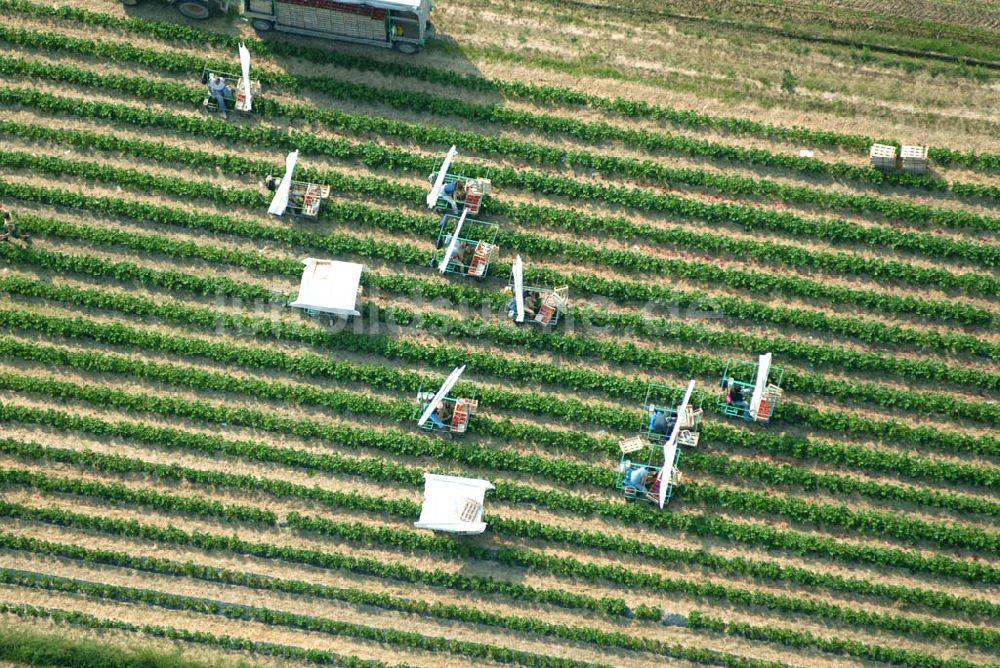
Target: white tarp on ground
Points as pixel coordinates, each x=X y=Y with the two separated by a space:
x=670 y=447
x=519 y=287
x=280 y=199
x=446 y=386
x=445 y=497
x=435 y=193
x=245 y=65
x=763 y=368
x=454 y=242
x=329 y=286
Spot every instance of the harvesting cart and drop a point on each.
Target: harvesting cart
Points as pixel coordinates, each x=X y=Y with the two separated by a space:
x=660 y=418
x=648 y=470
x=247 y=89
x=299 y=197
x=764 y=396
x=396 y=24
x=452 y=191
x=438 y=411
x=465 y=246
x=539 y=305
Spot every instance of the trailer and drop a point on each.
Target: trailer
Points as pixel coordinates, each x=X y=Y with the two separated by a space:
x=764 y=395
x=395 y=24
x=443 y=413
x=465 y=246
x=299 y=197
x=529 y=303
x=648 y=470
x=454 y=191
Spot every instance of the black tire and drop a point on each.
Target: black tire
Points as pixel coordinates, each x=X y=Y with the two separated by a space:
x=406 y=47
x=261 y=25
x=198 y=10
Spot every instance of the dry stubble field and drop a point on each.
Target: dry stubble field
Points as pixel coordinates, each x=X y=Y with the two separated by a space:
x=187 y=463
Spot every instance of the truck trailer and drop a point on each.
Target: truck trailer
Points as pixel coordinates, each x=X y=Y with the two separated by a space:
x=396 y=24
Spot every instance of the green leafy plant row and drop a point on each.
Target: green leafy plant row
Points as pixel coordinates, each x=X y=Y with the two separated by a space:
x=867 y=331
x=522 y=371
x=172 y=439
x=227 y=642
x=538 y=93
x=400 y=443
x=874 y=522
x=659 y=329
x=406 y=639
x=627 y=261
x=387 y=378
x=843 y=646
x=416 y=101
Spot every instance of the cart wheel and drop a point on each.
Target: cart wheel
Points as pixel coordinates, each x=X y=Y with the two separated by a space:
x=260 y=25
x=199 y=10
x=406 y=47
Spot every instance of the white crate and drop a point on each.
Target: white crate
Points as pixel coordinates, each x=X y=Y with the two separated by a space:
x=913 y=159
x=883 y=156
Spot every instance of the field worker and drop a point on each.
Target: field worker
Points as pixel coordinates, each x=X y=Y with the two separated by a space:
x=440 y=415
x=637 y=479
x=660 y=423
x=735 y=398
x=272 y=182
x=453 y=193
x=220 y=90
x=10 y=229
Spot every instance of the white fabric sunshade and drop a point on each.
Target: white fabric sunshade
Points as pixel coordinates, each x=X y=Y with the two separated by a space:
x=432 y=196
x=670 y=447
x=445 y=497
x=763 y=369
x=329 y=286
x=280 y=199
x=446 y=386
x=519 y=287
x=245 y=65
x=454 y=242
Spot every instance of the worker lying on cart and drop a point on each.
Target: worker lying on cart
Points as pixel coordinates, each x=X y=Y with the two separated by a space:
x=441 y=416
x=220 y=91
x=636 y=478
x=454 y=193
x=735 y=398
x=661 y=423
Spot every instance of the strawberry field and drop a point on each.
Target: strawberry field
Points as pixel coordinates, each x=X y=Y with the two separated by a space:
x=189 y=465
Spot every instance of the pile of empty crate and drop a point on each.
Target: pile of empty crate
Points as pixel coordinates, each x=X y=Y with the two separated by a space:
x=912 y=159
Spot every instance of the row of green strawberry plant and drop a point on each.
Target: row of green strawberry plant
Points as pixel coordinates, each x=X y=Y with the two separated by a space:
x=751 y=218
x=227 y=642
x=867 y=331
x=627 y=261
x=575 y=345
x=213 y=445
x=407 y=509
x=418 y=101
x=641 y=198
x=387 y=378
x=834 y=421
x=354 y=596
x=544 y=94
x=278 y=618
x=563 y=472
x=876 y=522
x=842 y=646
x=659 y=329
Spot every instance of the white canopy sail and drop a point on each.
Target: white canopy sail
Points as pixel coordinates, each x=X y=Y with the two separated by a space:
x=329 y=286
x=432 y=196
x=446 y=386
x=454 y=242
x=453 y=504
x=519 y=288
x=763 y=369
x=245 y=65
x=280 y=199
x=670 y=447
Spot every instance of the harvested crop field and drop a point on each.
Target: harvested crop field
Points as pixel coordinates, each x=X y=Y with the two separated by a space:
x=190 y=466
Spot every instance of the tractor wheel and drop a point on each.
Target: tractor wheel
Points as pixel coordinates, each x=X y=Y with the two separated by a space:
x=199 y=10
x=260 y=25
x=406 y=47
